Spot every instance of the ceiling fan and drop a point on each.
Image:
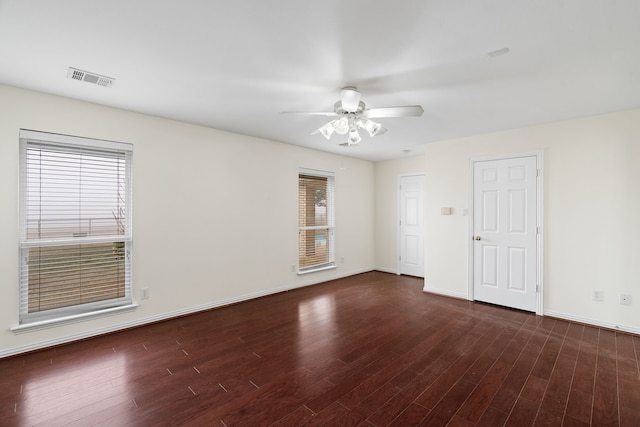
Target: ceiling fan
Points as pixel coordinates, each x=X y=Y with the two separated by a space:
x=353 y=115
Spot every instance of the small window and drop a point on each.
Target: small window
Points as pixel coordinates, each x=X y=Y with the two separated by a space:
x=75 y=225
x=316 y=234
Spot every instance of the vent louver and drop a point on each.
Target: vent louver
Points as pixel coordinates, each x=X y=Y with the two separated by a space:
x=88 y=77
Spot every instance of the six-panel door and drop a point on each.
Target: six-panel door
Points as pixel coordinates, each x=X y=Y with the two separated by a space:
x=504 y=224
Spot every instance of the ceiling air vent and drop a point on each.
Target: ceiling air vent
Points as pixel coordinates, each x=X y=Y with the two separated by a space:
x=88 y=77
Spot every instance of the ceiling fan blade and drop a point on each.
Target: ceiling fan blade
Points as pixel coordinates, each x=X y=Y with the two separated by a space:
x=405 y=111
x=312 y=113
x=350 y=99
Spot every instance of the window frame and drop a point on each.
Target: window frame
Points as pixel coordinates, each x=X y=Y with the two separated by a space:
x=330 y=226
x=96 y=148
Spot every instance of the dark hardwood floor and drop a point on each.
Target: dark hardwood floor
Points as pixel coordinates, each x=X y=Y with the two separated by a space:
x=369 y=350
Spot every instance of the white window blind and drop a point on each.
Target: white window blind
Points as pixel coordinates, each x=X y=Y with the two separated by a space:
x=316 y=234
x=75 y=225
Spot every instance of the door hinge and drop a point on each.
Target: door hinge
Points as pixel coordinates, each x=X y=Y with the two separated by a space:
x=537 y=288
x=400 y=258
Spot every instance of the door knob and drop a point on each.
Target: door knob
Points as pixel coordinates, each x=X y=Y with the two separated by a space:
x=478 y=238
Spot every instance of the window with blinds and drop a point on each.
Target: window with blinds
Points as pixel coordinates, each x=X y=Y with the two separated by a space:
x=316 y=234
x=75 y=225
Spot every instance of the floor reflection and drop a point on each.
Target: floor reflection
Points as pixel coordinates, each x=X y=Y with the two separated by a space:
x=316 y=329
x=61 y=391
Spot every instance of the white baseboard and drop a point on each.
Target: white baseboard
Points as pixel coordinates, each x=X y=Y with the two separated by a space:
x=445 y=292
x=386 y=270
x=177 y=313
x=592 y=322
x=559 y=315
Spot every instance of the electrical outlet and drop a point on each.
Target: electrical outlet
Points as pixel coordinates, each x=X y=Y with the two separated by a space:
x=598 y=296
x=293 y=268
x=145 y=293
x=342 y=260
x=625 y=299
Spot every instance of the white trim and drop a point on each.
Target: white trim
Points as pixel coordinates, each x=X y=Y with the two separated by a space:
x=165 y=316
x=540 y=230
x=592 y=322
x=315 y=172
x=444 y=292
x=56 y=138
x=386 y=270
x=316 y=269
x=59 y=321
x=538 y=154
x=470 y=247
x=534 y=153
x=399 y=214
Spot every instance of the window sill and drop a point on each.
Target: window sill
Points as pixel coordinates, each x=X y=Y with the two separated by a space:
x=316 y=269
x=45 y=324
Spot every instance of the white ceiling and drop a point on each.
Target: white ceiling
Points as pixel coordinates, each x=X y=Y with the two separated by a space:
x=236 y=64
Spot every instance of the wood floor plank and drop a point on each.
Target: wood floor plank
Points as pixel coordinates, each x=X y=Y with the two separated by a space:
x=369 y=350
x=523 y=414
x=479 y=369
x=531 y=344
x=370 y=404
x=605 y=391
x=492 y=417
x=381 y=378
x=411 y=416
x=328 y=416
x=446 y=407
x=480 y=398
x=346 y=384
x=534 y=389
x=452 y=375
x=579 y=406
x=557 y=391
x=298 y=417
x=384 y=414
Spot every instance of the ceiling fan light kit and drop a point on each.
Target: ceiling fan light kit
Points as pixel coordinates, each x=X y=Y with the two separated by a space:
x=370 y=126
x=353 y=115
x=354 y=137
x=350 y=99
x=343 y=125
x=326 y=130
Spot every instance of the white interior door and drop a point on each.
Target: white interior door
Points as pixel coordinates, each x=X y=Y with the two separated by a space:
x=505 y=230
x=411 y=258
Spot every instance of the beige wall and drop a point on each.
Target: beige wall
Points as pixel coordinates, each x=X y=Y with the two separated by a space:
x=198 y=244
x=591 y=213
x=199 y=237
x=386 y=207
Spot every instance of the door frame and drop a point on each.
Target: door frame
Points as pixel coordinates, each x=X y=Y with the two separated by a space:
x=538 y=154
x=399 y=215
